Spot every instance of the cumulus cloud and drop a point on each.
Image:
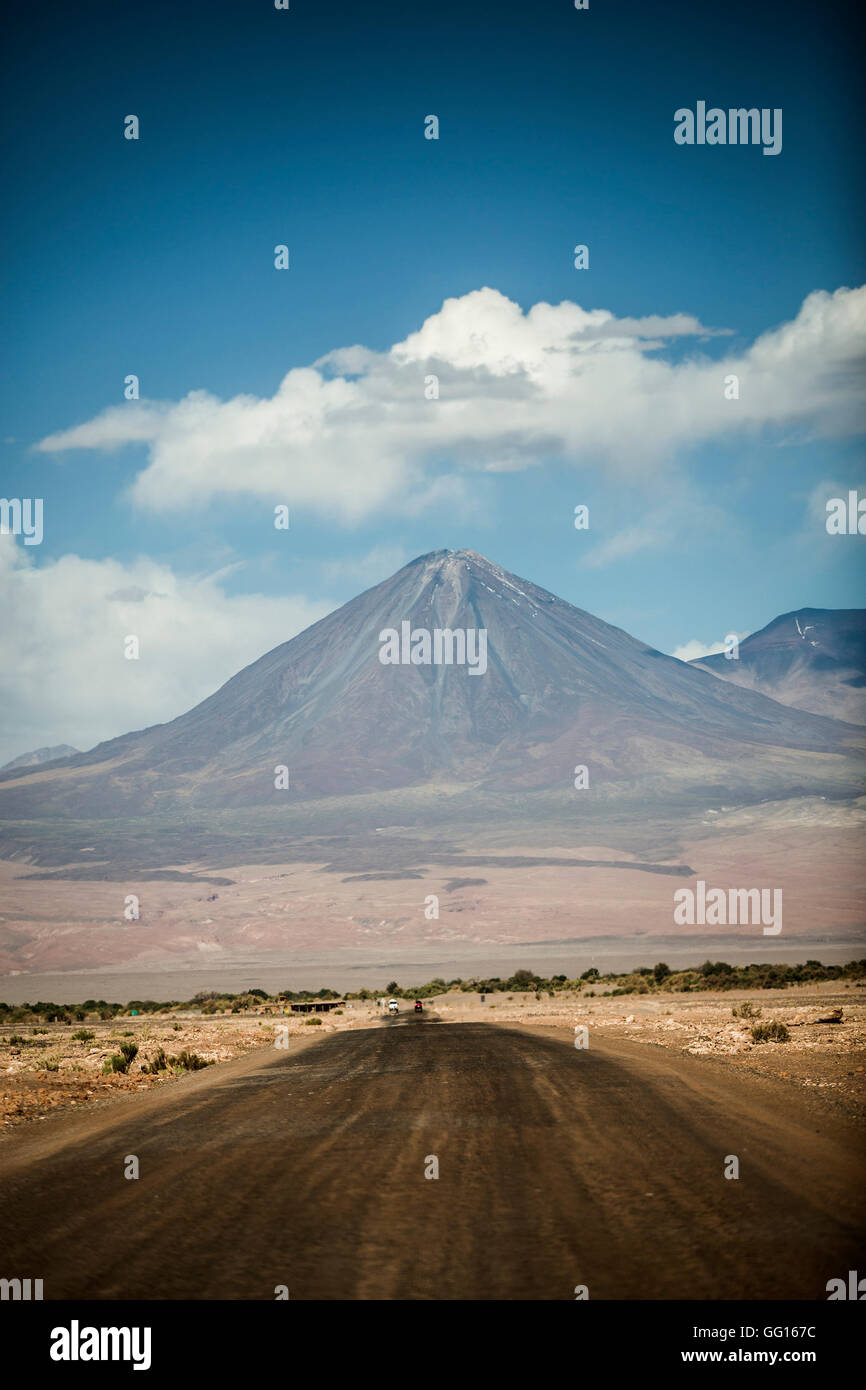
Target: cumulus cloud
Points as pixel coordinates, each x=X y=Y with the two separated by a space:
x=355 y=433
x=66 y=621
x=694 y=650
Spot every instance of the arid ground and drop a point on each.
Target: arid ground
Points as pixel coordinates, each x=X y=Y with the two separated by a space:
x=45 y=1069
x=364 y=913
x=558 y=1167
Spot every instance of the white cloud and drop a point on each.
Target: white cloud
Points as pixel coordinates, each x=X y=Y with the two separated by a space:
x=65 y=679
x=354 y=435
x=694 y=650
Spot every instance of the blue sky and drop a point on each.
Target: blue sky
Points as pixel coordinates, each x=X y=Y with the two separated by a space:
x=306 y=127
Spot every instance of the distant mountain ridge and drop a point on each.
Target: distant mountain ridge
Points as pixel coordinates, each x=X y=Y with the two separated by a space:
x=560 y=688
x=40 y=755
x=812 y=659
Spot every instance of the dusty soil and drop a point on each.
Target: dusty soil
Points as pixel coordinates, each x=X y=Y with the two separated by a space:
x=310 y=1169
x=827 y=1059
x=52 y=1071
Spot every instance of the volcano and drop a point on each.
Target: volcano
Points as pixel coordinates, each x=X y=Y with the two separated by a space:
x=325 y=715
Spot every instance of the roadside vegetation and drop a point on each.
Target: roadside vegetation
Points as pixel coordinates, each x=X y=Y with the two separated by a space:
x=770 y=1032
x=655 y=979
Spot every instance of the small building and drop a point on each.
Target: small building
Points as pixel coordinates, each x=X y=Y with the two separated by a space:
x=316 y=1006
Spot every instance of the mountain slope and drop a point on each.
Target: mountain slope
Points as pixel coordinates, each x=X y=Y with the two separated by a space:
x=37 y=756
x=561 y=688
x=813 y=659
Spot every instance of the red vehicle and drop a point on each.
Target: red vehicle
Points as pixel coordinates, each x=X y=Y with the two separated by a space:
x=418 y=1006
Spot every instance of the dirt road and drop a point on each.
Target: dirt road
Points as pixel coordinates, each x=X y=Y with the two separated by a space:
x=557 y=1167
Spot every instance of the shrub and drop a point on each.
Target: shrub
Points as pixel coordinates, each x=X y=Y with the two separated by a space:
x=188 y=1061
x=119 y=1062
x=714 y=968
x=52 y=1064
x=770 y=1032
x=83 y=1035
x=746 y=1010
x=312 y=1022
x=158 y=1063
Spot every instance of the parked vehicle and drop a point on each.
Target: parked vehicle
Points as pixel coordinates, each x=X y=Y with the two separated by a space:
x=418 y=1006
x=393 y=1006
